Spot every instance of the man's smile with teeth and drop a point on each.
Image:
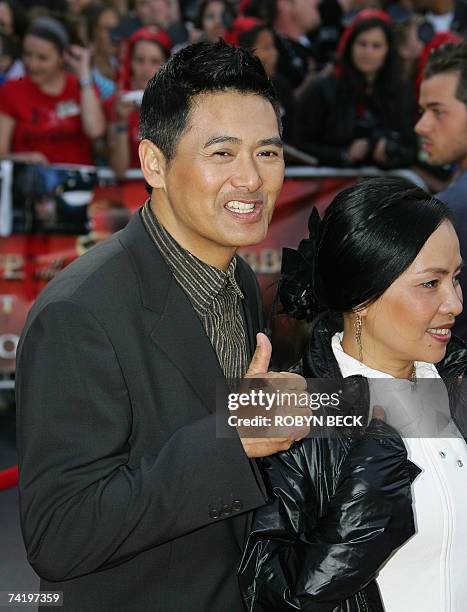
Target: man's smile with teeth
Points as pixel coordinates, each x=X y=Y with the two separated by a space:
x=241 y=207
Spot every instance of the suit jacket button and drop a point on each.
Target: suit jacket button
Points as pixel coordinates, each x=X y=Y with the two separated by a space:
x=226 y=510
x=214 y=513
x=237 y=505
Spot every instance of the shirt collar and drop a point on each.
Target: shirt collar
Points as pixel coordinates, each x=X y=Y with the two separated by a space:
x=201 y=281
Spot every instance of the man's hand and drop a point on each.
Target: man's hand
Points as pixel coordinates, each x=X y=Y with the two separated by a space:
x=262 y=447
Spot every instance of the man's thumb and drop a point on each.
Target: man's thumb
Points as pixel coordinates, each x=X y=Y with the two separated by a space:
x=260 y=361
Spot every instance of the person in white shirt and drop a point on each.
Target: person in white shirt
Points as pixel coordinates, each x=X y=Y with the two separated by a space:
x=377 y=282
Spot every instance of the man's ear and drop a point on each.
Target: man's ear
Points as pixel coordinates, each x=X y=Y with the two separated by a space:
x=153 y=164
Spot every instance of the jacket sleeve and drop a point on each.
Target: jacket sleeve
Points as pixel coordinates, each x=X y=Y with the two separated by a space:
x=306 y=554
x=83 y=506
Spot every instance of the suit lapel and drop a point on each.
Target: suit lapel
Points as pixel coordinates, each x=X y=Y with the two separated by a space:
x=179 y=333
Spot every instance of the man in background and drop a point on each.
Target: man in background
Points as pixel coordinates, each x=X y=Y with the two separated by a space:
x=443 y=131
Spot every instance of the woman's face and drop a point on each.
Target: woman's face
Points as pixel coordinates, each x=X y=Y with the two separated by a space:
x=108 y=19
x=146 y=60
x=266 y=50
x=411 y=321
x=213 y=22
x=369 y=51
x=42 y=60
x=6 y=20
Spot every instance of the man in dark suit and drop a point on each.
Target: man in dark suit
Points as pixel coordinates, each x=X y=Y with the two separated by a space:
x=128 y=499
x=443 y=129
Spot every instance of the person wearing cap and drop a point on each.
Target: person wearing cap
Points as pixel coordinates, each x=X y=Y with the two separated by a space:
x=51 y=115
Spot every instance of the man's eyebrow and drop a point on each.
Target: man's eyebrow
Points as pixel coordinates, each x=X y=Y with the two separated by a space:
x=274 y=141
x=221 y=139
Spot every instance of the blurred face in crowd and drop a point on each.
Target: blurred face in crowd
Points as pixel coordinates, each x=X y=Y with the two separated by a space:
x=369 y=51
x=213 y=21
x=412 y=320
x=76 y=6
x=146 y=59
x=42 y=60
x=266 y=50
x=443 y=124
x=6 y=20
x=108 y=20
x=218 y=191
x=411 y=47
x=306 y=14
x=153 y=12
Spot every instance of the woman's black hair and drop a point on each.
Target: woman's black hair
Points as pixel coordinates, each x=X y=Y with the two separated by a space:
x=19 y=15
x=53 y=30
x=370 y=234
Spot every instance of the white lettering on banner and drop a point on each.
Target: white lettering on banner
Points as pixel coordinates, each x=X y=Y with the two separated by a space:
x=8 y=346
x=7 y=303
x=12 y=265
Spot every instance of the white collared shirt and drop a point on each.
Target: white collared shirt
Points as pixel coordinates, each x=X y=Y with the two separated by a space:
x=428 y=573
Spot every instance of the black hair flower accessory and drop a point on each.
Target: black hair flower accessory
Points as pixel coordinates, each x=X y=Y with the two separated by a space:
x=300 y=288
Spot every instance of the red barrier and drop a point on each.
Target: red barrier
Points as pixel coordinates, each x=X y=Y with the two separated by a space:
x=9 y=478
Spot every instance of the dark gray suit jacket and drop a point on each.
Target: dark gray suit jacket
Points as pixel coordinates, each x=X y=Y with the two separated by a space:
x=129 y=501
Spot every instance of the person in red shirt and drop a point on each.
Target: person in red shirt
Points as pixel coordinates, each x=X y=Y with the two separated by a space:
x=51 y=115
x=146 y=51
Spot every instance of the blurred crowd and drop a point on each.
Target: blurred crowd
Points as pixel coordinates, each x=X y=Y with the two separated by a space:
x=347 y=72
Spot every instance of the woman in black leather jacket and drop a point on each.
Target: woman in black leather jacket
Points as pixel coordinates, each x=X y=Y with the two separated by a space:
x=378 y=281
x=363 y=112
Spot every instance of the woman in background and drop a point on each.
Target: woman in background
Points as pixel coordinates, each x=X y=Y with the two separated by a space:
x=363 y=113
x=260 y=41
x=378 y=279
x=145 y=54
x=99 y=21
x=214 y=19
x=51 y=115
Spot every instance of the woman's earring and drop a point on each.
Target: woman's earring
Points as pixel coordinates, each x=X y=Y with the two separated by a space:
x=358 y=335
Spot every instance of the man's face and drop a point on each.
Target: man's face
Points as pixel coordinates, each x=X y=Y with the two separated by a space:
x=443 y=125
x=306 y=14
x=223 y=181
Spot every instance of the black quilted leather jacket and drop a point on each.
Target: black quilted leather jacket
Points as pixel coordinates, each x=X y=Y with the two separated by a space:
x=338 y=507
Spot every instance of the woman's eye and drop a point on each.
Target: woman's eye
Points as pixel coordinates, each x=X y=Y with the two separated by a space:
x=430 y=284
x=222 y=153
